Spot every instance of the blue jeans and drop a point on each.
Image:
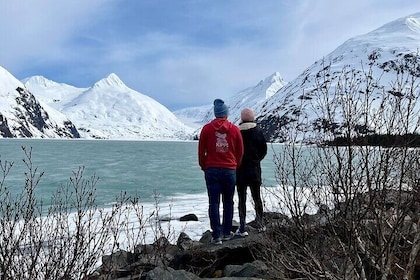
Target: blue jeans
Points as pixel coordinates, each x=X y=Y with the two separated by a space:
x=220 y=182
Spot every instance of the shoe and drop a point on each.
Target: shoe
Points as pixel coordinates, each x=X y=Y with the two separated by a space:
x=262 y=229
x=228 y=237
x=216 y=241
x=241 y=233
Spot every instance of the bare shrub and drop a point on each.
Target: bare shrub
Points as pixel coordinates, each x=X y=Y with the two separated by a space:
x=68 y=238
x=353 y=206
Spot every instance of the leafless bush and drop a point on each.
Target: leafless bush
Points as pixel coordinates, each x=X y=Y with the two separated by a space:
x=67 y=239
x=353 y=206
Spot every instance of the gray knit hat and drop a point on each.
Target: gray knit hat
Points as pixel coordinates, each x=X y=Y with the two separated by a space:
x=220 y=108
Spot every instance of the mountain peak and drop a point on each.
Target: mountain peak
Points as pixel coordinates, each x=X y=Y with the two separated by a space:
x=111 y=81
x=272 y=84
x=39 y=80
x=393 y=32
x=275 y=77
x=399 y=27
x=7 y=81
x=413 y=22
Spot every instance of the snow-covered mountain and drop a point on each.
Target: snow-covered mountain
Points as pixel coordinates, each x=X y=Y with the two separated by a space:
x=315 y=98
x=110 y=110
x=193 y=116
x=23 y=116
x=250 y=97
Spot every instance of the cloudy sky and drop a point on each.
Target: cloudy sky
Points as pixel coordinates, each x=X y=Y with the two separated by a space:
x=182 y=53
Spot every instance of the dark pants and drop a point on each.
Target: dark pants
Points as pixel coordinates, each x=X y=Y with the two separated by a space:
x=249 y=176
x=256 y=196
x=220 y=182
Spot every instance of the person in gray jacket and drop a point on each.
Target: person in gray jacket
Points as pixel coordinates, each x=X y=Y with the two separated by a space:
x=249 y=172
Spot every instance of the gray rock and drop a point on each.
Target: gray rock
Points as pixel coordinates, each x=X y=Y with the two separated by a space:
x=184 y=242
x=117 y=260
x=189 y=217
x=254 y=269
x=167 y=273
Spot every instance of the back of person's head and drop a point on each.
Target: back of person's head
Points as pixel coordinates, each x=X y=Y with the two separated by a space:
x=220 y=108
x=247 y=115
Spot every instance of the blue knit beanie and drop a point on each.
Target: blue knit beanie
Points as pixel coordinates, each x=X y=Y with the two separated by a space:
x=220 y=108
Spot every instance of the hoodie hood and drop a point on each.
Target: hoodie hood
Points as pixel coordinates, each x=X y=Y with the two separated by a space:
x=221 y=124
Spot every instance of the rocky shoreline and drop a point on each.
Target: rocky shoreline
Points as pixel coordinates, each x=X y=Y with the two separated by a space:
x=189 y=259
x=331 y=244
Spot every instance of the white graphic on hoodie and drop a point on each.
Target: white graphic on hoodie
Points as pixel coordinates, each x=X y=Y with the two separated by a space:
x=222 y=145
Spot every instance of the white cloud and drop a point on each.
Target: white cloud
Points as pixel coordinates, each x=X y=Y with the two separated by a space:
x=40 y=30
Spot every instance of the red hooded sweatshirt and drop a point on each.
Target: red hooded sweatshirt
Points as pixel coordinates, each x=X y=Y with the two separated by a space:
x=220 y=145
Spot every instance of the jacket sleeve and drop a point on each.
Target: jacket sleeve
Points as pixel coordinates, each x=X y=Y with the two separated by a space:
x=239 y=151
x=262 y=145
x=202 y=150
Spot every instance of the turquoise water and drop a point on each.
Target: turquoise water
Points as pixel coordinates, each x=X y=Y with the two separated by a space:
x=140 y=168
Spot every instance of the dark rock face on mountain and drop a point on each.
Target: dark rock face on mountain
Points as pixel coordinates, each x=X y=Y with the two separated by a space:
x=4 y=128
x=22 y=115
x=272 y=127
x=27 y=119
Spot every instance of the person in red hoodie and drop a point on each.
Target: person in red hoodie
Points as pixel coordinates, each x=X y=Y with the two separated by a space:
x=220 y=151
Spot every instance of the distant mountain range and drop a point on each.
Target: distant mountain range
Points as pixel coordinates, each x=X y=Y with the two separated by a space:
x=40 y=108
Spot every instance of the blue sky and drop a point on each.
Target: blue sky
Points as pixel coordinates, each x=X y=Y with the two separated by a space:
x=182 y=53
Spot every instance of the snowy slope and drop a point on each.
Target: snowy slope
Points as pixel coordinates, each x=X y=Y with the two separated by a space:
x=193 y=116
x=253 y=97
x=50 y=92
x=299 y=102
x=250 y=97
x=22 y=115
x=111 y=110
